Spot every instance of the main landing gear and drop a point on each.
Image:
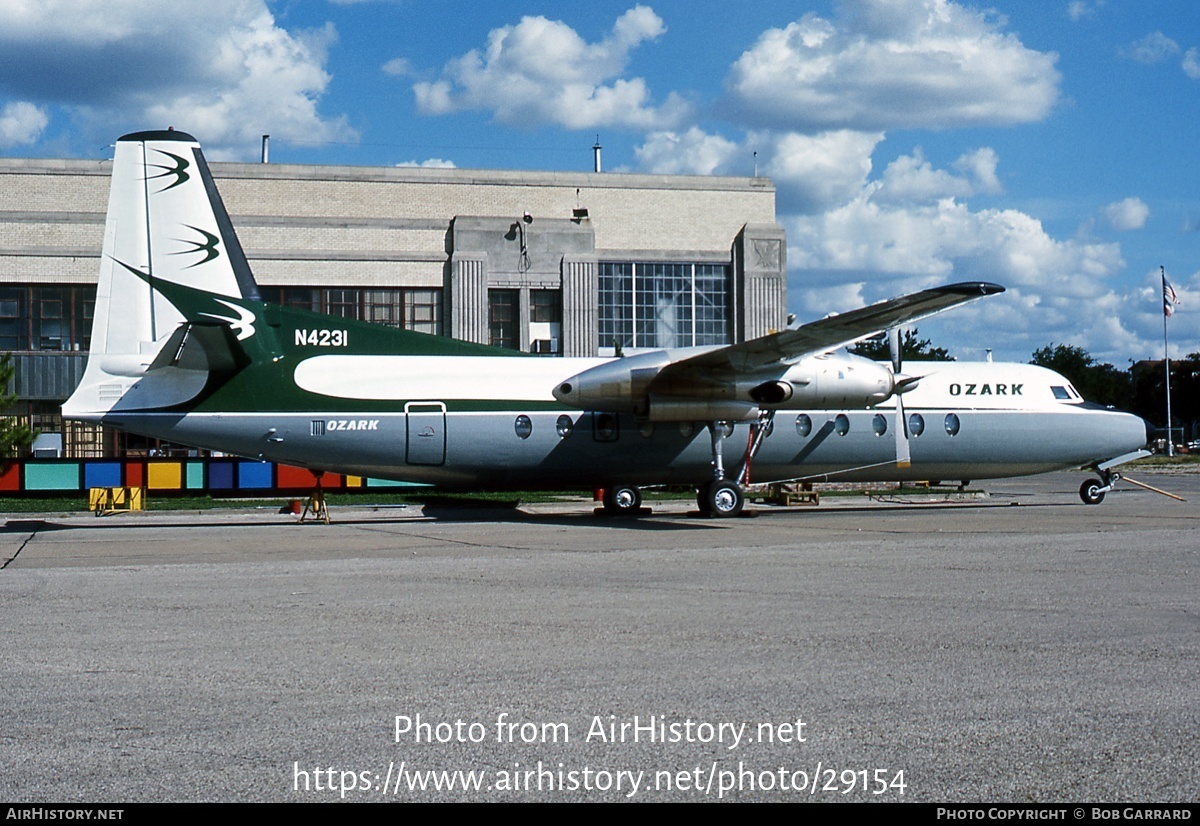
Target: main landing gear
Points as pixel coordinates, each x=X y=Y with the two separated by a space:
x=721 y=496
x=622 y=500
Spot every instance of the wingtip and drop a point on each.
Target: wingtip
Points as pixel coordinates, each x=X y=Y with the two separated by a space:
x=972 y=288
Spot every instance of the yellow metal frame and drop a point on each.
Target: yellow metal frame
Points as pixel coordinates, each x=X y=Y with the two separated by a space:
x=114 y=500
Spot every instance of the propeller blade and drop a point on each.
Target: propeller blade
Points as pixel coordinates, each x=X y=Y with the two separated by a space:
x=903 y=456
x=900 y=384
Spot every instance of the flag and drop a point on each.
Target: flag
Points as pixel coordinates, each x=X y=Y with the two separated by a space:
x=1170 y=299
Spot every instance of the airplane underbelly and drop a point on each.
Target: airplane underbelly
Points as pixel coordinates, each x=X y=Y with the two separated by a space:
x=556 y=449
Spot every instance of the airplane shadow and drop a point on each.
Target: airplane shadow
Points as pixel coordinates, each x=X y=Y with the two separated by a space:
x=650 y=521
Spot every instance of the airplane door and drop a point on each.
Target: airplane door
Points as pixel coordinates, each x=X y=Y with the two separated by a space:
x=425 y=440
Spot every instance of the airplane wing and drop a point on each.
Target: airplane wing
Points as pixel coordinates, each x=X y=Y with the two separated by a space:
x=829 y=333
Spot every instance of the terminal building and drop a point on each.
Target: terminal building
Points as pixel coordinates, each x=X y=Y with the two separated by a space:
x=556 y=263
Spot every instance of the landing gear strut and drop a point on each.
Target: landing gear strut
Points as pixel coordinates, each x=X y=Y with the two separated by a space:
x=722 y=496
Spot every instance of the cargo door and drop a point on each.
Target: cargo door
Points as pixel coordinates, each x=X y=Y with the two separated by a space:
x=426 y=433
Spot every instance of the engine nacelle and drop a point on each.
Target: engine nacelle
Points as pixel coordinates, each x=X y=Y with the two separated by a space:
x=635 y=384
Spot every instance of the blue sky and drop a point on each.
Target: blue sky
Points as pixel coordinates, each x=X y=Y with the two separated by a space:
x=1049 y=146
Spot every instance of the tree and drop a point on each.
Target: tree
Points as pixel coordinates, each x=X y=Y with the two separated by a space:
x=911 y=347
x=1096 y=382
x=1150 y=395
x=15 y=435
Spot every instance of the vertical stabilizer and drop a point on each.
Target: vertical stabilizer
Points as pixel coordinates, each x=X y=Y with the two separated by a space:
x=166 y=229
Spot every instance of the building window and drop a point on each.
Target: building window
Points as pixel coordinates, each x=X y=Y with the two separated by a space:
x=44 y=317
x=504 y=318
x=423 y=311
x=651 y=306
x=410 y=309
x=545 y=321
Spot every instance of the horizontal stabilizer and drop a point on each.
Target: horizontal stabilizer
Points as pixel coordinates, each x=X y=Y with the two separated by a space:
x=211 y=348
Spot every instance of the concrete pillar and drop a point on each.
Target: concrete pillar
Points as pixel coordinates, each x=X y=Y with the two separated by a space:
x=760 y=280
x=580 y=301
x=467 y=297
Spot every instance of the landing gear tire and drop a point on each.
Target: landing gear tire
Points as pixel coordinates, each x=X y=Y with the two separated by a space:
x=622 y=500
x=721 y=498
x=1090 y=492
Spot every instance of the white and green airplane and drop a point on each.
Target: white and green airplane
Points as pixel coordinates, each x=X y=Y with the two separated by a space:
x=184 y=349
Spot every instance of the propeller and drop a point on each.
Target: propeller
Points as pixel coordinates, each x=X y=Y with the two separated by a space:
x=900 y=385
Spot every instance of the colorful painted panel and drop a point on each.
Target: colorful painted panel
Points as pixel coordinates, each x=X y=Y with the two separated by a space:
x=10 y=477
x=195 y=475
x=64 y=476
x=164 y=476
x=255 y=475
x=102 y=474
x=220 y=475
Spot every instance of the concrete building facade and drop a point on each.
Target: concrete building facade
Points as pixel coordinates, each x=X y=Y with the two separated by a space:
x=562 y=263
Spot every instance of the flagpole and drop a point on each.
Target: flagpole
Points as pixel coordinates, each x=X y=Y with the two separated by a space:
x=1167 y=362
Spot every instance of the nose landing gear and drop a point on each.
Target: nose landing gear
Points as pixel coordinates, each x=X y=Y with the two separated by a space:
x=1092 y=491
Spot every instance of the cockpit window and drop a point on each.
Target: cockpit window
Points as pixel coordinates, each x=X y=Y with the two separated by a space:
x=1061 y=393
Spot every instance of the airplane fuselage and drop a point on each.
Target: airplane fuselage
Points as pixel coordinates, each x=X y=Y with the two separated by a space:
x=491 y=422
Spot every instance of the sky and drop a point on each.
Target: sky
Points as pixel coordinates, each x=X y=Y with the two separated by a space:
x=1047 y=145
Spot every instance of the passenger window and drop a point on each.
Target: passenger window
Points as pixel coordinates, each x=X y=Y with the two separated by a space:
x=803 y=425
x=564 y=426
x=952 y=424
x=879 y=424
x=523 y=426
x=841 y=424
x=916 y=424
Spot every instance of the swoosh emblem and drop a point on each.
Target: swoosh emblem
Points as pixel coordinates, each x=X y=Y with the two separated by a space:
x=178 y=169
x=243 y=325
x=208 y=246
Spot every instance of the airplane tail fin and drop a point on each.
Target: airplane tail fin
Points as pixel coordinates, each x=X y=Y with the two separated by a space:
x=171 y=261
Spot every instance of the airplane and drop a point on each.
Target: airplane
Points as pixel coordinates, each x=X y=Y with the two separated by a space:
x=184 y=349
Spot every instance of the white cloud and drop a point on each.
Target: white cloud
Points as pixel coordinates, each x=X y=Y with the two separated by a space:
x=811 y=172
x=1191 y=63
x=912 y=179
x=905 y=63
x=397 y=67
x=541 y=72
x=693 y=152
x=981 y=166
x=1153 y=48
x=227 y=74
x=1078 y=9
x=879 y=245
x=21 y=123
x=1125 y=215
x=818 y=172
x=432 y=163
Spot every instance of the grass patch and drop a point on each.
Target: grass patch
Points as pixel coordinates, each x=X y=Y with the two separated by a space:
x=1183 y=460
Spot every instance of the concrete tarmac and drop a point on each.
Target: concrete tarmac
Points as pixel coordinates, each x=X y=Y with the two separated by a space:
x=1014 y=649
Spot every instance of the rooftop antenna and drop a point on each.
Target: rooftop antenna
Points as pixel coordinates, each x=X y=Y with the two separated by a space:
x=596 y=154
x=266 y=149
